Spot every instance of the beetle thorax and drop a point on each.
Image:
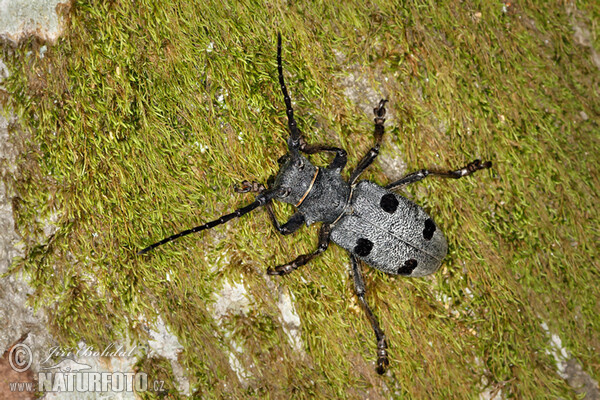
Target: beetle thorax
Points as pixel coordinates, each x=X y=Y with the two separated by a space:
x=327 y=199
x=319 y=194
x=295 y=179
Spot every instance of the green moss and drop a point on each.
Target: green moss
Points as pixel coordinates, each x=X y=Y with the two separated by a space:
x=142 y=118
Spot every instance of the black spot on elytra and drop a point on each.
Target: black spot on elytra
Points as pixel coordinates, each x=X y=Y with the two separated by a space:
x=408 y=267
x=363 y=247
x=429 y=229
x=389 y=203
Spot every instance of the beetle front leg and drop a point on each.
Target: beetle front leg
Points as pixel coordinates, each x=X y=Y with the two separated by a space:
x=359 y=287
x=249 y=187
x=339 y=161
x=379 y=112
x=291 y=226
x=456 y=174
x=324 y=235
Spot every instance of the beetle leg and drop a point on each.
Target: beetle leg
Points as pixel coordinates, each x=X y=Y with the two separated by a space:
x=359 y=287
x=285 y=269
x=291 y=226
x=249 y=187
x=379 y=112
x=456 y=174
x=339 y=161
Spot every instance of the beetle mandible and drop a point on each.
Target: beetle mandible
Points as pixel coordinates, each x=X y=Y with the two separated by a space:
x=374 y=224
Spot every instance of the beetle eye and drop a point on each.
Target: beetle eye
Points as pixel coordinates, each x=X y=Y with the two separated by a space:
x=281 y=160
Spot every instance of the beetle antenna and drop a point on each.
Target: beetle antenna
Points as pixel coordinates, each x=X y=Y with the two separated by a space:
x=294 y=139
x=261 y=200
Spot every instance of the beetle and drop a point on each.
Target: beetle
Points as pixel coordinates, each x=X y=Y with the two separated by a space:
x=374 y=224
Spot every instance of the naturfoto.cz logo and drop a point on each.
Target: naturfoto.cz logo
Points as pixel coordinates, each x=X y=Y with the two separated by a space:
x=69 y=375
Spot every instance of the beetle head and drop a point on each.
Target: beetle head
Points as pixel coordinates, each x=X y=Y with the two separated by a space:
x=294 y=178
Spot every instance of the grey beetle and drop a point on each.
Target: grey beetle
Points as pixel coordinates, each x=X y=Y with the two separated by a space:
x=371 y=222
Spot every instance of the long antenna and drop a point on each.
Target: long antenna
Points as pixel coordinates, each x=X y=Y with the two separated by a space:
x=294 y=140
x=261 y=200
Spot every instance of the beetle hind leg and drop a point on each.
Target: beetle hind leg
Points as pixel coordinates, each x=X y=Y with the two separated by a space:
x=456 y=174
x=359 y=288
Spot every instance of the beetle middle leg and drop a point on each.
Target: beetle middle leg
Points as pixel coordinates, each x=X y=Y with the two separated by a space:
x=379 y=112
x=291 y=226
x=359 y=288
x=456 y=174
x=324 y=235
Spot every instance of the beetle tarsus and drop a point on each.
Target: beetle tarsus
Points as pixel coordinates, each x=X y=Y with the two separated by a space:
x=248 y=187
x=379 y=111
x=283 y=269
x=382 y=358
x=477 y=165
